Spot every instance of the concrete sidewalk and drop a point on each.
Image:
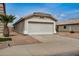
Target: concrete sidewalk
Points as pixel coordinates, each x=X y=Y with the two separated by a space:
x=57 y=46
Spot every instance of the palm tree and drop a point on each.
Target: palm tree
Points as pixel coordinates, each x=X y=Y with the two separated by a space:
x=5 y=19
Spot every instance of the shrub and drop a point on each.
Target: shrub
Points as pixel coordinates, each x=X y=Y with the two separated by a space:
x=72 y=32
x=5 y=39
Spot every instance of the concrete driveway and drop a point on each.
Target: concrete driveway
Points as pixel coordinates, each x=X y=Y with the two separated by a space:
x=52 y=45
x=54 y=39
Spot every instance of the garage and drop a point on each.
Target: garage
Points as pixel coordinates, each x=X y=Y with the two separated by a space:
x=36 y=23
x=40 y=28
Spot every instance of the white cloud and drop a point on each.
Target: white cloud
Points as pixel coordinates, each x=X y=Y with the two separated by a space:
x=37 y=10
x=62 y=15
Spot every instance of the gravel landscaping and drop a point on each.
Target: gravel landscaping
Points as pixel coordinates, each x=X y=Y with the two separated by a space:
x=68 y=34
x=19 y=39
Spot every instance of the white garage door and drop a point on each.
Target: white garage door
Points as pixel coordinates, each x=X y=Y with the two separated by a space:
x=40 y=28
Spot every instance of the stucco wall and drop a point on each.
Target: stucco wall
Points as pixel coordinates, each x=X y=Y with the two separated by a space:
x=20 y=27
x=61 y=28
x=68 y=28
x=75 y=28
x=1 y=8
x=1 y=28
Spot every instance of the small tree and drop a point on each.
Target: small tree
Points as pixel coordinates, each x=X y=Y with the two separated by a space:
x=5 y=19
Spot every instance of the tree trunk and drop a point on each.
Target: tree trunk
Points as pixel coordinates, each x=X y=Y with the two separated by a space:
x=6 y=30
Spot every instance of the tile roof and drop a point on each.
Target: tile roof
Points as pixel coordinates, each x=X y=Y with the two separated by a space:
x=36 y=14
x=69 y=21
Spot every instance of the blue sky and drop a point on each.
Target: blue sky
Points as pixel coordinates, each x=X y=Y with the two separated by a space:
x=60 y=11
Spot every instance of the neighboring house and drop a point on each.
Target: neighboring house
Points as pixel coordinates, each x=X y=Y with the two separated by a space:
x=2 y=8
x=37 y=23
x=68 y=26
x=2 y=11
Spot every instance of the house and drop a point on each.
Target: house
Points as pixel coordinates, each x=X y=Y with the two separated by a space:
x=68 y=26
x=2 y=8
x=2 y=11
x=36 y=23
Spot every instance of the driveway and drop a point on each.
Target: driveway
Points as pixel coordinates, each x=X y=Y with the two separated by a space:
x=51 y=45
x=54 y=38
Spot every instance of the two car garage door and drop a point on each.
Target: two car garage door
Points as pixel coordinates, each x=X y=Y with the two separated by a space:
x=40 y=28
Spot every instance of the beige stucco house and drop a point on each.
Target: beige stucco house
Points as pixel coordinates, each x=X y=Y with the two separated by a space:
x=68 y=26
x=36 y=23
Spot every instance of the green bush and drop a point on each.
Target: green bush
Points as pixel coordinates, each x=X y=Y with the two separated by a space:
x=5 y=39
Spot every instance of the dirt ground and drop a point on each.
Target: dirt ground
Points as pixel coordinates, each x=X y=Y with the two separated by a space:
x=19 y=39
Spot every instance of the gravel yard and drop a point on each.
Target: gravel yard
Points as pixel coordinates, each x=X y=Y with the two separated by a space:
x=19 y=39
x=67 y=34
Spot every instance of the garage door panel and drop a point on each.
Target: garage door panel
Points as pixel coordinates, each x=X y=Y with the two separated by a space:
x=32 y=28
x=40 y=28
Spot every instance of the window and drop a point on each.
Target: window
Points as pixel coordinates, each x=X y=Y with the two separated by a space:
x=64 y=26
